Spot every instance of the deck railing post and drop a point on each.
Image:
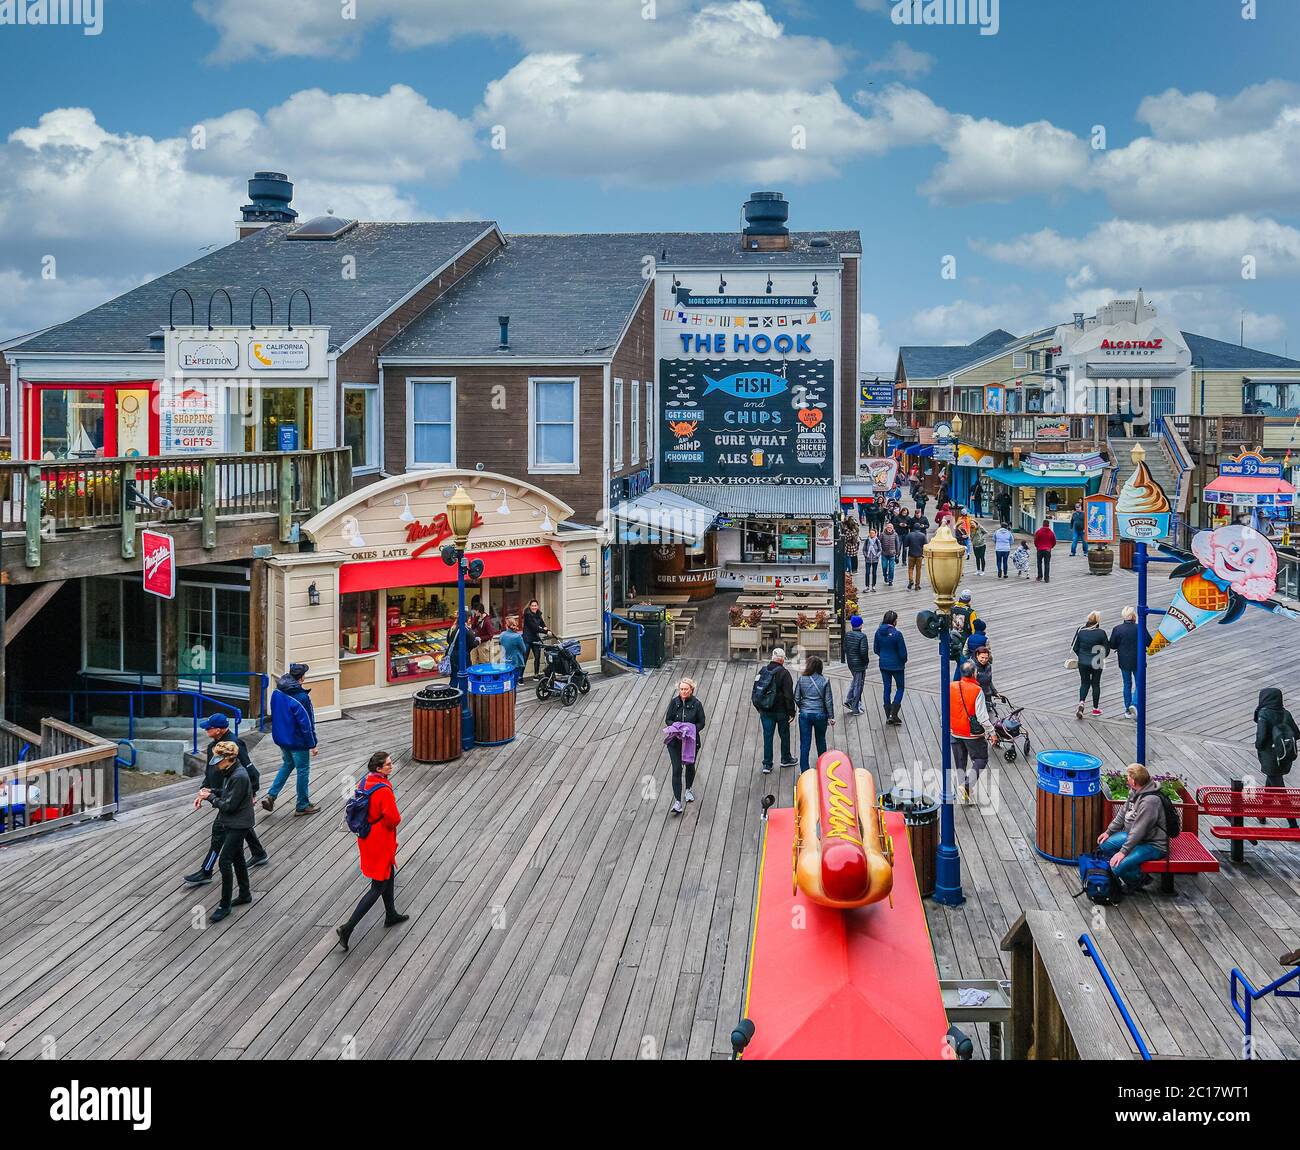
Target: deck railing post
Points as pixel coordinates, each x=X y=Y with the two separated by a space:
x=125 y=487
x=32 y=516
x=286 y=498
x=209 y=504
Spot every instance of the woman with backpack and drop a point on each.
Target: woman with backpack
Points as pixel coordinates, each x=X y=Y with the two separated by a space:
x=1276 y=739
x=372 y=814
x=816 y=706
x=1139 y=832
x=1091 y=646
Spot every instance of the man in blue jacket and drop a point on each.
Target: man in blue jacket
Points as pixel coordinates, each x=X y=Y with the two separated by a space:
x=293 y=730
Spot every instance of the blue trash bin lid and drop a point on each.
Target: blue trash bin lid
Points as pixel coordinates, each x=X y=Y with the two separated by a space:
x=1069 y=760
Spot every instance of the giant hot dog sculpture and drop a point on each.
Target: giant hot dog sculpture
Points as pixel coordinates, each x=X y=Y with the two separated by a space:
x=842 y=855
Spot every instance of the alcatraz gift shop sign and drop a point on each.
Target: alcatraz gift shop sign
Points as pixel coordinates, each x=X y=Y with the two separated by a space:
x=748 y=390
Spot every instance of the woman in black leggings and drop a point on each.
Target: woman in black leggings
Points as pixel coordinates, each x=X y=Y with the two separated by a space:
x=378 y=848
x=1091 y=647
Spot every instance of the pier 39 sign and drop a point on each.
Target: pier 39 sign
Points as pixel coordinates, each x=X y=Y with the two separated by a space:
x=747 y=377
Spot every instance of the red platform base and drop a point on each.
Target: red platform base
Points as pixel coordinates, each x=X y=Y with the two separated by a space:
x=857 y=984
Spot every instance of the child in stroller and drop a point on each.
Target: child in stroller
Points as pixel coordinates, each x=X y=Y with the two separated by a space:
x=564 y=675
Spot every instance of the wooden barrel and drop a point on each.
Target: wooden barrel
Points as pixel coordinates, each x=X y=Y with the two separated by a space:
x=492 y=703
x=1071 y=810
x=1101 y=560
x=435 y=725
x=921 y=814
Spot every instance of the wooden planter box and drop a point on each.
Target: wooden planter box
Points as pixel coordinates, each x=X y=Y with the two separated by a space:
x=1187 y=809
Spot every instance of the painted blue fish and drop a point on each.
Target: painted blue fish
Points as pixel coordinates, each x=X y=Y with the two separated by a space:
x=748 y=384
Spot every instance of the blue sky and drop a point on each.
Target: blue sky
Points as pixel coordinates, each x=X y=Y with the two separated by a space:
x=934 y=141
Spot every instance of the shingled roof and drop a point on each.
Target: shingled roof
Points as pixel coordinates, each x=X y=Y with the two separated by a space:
x=574 y=294
x=1216 y=355
x=392 y=260
x=935 y=362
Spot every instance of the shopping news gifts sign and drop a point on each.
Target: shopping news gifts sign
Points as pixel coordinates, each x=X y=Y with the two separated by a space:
x=159 y=563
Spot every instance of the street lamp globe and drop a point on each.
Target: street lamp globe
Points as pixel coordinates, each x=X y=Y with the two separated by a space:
x=460 y=517
x=944 y=557
x=956 y=425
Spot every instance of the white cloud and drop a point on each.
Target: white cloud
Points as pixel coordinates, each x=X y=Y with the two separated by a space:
x=29 y=303
x=1189 y=116
x=1184 y=252
x=875 y=352
x=904 y=59
x=989 y=160
x=396 y=137
x=902 y=117
x=965 y=320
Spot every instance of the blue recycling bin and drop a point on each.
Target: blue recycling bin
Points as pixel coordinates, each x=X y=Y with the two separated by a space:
x=492 y=702
x=1071 y=809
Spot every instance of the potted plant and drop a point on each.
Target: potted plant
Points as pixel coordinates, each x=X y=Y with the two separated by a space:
x=1114 y=787
x=180 y=485
x=755 y=616
x=736 y=616
x=801 y=621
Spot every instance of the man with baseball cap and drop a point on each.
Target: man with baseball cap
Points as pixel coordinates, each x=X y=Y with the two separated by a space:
x=293 y=730
x=218 y=729
x=773 y=696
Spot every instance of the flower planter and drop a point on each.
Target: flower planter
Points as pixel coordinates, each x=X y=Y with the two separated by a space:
x=1187 y=809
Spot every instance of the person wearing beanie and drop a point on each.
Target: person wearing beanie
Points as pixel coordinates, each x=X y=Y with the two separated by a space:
x=978 y=638
x=857 y=657
x=293 y=730
x=218 y=729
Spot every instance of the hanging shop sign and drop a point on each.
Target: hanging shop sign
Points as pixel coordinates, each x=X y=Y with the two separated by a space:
x=1051 y=428
x=159 y=552
x=207 y=354
x=1251 y=463
x=877 y=396
x=748 y=396
x=189 y=419
x=235 y=352
x=279 y=354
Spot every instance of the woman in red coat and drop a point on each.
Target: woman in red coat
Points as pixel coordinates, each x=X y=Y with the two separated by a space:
x=378 y=848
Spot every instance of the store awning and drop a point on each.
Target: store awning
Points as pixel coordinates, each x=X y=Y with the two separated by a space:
x=1250 y=491
x=764 y=500
x=1135 y=370
x=1017 y=477
x=661 y=515
x=431 y=571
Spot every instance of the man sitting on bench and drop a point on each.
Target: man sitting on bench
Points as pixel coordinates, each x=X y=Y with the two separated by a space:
x=1137 y=834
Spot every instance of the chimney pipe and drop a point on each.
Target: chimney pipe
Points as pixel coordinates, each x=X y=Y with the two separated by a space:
x=504 y=321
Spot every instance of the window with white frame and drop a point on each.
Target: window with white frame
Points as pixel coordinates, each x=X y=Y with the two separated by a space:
x=553 y=425
x=618 y=424
x=1019 y=361
x=432 y=433
x=362 y=424
x=636 y=422
x=649 y=421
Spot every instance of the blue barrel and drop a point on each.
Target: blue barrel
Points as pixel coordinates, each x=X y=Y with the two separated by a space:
x=1071 y=810
x=492 y=702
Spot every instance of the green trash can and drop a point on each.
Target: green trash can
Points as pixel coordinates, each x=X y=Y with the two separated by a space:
x=654 y=621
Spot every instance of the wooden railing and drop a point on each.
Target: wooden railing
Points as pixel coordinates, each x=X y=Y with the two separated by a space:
x=43 y=498
x=53 y=779
x=1214 y=435
x=1028 y=432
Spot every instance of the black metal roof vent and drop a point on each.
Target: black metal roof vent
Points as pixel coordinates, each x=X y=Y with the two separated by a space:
x=271 y=194
x=322 y=228
x=766 y=214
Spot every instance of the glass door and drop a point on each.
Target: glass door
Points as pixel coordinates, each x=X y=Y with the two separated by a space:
x=71 y=422
x=285 y=422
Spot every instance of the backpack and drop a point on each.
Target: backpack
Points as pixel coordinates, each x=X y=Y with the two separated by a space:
x=1284 y=744
x=1099 y=882
x=765 y=691
x=1173 y=822
x=357 y=811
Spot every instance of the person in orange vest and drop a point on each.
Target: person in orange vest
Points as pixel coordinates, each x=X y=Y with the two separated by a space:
x=970 y=725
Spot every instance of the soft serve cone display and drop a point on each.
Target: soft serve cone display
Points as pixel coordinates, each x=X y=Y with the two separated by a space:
x=1142 y=511
x=1199 y=601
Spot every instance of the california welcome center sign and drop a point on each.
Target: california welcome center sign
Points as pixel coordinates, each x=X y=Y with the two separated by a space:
x=747 y=377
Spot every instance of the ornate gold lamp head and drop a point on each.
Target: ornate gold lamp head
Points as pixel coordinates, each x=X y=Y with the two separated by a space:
x=460 y=516
x=943 y=564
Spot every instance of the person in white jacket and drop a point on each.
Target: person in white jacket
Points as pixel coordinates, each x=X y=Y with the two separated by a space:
x=1003 y=541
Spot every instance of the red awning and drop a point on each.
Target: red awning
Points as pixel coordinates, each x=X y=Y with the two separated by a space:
x=431 y=570
x=1251 y=485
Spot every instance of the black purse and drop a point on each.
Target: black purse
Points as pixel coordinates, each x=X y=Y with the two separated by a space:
x=976 y=727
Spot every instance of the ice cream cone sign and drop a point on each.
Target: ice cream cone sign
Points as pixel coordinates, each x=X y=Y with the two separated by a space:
x=1234 y=567
x=1142 y=510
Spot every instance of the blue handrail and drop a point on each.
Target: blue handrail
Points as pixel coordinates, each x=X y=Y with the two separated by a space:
x=1244 y=1006
x=263 y=682
x=633 y=627
x=195 y=697
x=1089 y=948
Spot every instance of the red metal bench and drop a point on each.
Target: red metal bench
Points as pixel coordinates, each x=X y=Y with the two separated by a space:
x=1187 y=855
x=1237 y=804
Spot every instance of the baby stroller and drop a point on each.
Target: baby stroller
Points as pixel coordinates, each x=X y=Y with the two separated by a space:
x=563 y=675
x=1010 y=734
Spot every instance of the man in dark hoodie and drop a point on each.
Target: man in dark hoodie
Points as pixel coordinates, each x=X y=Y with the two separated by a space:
x=235 y=803
x=218 y=728
x=776 y=718
x=857 y=657
x=914 y=546
x=1276 y=739
x=293 y=730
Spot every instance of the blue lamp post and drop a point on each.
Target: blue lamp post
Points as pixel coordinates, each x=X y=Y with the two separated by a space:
x=944 y=557
x=460 y=518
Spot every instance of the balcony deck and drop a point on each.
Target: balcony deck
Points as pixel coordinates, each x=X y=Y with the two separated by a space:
x=559 y=911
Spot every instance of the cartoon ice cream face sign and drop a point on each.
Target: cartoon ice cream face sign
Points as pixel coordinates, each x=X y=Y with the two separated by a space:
x=1241 y=558
x=1233 y=565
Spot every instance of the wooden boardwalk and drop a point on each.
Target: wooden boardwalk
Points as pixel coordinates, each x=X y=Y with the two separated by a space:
x=559 y=911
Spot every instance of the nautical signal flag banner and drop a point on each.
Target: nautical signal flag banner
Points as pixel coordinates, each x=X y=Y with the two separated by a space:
x=159 y=563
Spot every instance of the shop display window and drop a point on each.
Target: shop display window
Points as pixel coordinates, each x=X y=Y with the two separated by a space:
x=358 y=623
x=777 y=541
x=418 y=623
